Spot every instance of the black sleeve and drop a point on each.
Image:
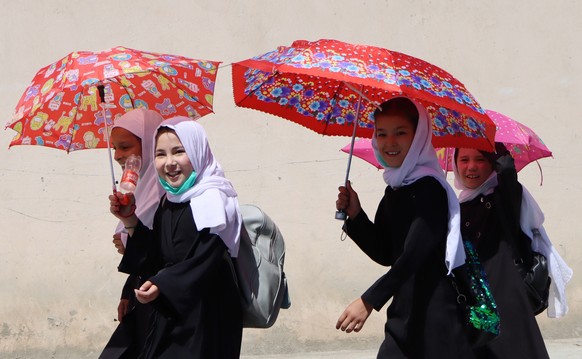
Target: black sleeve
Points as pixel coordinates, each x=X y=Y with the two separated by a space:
x=509 y=194
x=368 y=237
x=508 y=184
x=424 y=239
x=141 y=252
x=130 y=284
x=180 y=283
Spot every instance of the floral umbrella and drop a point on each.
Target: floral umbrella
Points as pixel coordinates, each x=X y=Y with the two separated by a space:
x=320 y=85
x=333 y=88
x=70 y=102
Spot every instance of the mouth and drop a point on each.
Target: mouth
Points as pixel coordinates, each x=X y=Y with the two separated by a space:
x=172 y=176
x=392 y=153
x=472 y=176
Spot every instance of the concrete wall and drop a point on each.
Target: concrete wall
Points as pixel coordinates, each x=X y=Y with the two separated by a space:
x=59 y=286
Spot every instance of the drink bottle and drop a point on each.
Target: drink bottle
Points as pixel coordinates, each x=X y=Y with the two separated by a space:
x=130 y=176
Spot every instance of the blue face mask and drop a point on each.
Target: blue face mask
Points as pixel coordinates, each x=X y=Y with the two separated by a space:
x=188 y=183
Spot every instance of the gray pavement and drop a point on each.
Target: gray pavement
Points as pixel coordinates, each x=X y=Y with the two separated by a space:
x=558 y=349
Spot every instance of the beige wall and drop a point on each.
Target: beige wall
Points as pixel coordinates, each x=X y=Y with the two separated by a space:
x=58 y=280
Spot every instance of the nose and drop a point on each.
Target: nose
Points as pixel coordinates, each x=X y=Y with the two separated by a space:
x=391 y=141
x=117 y=155
x=170 y=161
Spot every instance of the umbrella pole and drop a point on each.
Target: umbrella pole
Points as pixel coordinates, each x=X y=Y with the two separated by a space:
x=101 y=89
x=446 y=152
x=341 y=214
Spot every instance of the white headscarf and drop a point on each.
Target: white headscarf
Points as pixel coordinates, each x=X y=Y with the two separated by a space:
x=531 y=218
x=143 y=123
x=422 y=161
x=213 y=199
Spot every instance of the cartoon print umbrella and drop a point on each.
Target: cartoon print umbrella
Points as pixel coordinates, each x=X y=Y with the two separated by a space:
x=71 y=102
x=333 y=88
x=524 y=145
x=61 y=107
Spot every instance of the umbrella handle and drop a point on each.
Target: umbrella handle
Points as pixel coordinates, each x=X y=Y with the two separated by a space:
x=341 y=214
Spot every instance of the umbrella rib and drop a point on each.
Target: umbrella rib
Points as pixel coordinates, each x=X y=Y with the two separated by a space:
x=336 y=97
x=273 y=74
x=114 y=80
x=361 y=93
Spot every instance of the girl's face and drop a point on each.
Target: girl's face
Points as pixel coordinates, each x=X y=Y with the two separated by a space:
x=124 y=144
x=171 y=161
x=394 y=135
x=473 y=167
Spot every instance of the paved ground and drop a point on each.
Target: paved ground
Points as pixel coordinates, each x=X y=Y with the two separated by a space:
x=558 y=349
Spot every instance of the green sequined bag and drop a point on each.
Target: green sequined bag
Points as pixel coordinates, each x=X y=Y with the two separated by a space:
x=476 y=303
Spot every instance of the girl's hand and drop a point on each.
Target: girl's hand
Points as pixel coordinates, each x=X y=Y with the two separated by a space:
x=354 y=317
x=147 y=292
x=118 y=243
x=122 y=309
x=348 y=200
x=122 y=205
x=125 y=213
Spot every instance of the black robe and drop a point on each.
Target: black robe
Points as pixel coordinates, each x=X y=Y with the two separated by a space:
x=481 y=222
x=409 y=234
x=198 y=312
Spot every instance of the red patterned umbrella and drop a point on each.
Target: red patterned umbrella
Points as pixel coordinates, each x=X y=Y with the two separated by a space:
x=62 y=107
x=333 y=88
x=320 y=84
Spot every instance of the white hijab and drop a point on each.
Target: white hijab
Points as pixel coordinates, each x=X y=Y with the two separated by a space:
x=143 y=123
x=213 y=199
x=531 y=218
x=422 y=161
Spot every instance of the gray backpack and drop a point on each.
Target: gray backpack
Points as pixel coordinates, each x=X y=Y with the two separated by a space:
x=259 y=269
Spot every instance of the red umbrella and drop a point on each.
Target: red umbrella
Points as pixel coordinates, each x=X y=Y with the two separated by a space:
x=71 y=102
x=62 y=108
x=319 y=85
x=329 y=86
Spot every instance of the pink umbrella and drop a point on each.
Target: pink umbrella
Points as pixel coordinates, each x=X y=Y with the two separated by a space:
x=522 y=142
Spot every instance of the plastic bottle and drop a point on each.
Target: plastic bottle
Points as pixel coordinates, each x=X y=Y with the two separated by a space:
x=130 y=175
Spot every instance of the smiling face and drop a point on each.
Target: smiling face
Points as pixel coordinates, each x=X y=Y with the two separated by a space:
x=124 y=144
x=171 y=160
x=473 y=167
x=394 y=135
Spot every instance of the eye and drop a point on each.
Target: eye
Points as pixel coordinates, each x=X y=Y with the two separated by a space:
x=179 y=150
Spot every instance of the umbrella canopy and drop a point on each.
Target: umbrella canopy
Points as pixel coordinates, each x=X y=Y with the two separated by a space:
x=320 y=85
x=524 y=145
x=71 y=101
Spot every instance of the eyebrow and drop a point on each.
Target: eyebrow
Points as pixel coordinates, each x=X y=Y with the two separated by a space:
x=396 y=128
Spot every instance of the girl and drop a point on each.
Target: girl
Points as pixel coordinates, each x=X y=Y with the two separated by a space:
x=133 y=133
x=416 y=233
x=190 y=285
x=495 y=210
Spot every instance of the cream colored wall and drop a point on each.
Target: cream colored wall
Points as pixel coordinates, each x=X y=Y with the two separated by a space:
x=58 y=281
